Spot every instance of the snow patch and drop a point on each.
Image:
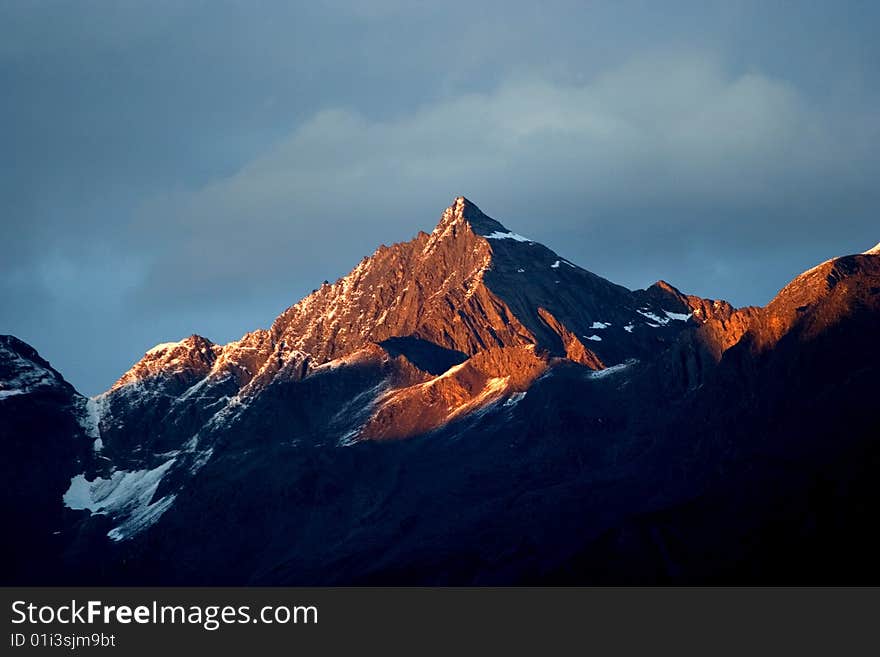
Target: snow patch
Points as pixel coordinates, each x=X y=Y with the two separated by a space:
x=678 y=317
x=358 y=411
x=515 y=398
x=142 y=519
x=614 y=369
x=126 y=496
x=159 y=348
x=498 y=235
x=594 y=338
x=628 y=328
x=655 y=318
x=10 y=393
x=600 y=325
x=90 y=419
x=189 y=392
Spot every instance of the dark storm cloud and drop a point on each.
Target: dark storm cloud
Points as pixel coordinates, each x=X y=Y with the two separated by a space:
x=196 y=167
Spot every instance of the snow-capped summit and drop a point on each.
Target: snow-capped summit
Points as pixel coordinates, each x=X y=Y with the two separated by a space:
x=873 y=251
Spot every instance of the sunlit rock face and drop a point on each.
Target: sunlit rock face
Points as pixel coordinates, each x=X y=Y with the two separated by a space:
x=466 y=407
x=468 y=287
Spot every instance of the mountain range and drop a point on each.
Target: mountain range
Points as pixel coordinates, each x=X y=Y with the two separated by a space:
x=466 y=408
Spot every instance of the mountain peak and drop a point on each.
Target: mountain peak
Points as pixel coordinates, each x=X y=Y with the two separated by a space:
x=22 y=370
x=666 y=287
x=874 y=251
x=194 y=341
x=192 y=354
x=463 y=210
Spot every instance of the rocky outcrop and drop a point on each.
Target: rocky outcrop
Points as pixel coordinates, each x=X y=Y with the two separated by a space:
x=573 y=348
x=488 y=377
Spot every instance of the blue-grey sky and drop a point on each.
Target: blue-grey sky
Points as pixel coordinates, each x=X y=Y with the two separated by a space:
x=185 y=167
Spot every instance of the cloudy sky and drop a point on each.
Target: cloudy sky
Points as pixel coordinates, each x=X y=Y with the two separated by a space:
x=185 y=167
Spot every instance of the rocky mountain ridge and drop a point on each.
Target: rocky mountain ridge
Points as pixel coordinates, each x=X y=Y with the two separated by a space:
x=469 y=286
x=471 y=349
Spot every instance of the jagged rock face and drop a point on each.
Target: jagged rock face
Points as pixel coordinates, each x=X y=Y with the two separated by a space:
x=185 y=361
x=430 y=288
x=466 y=407
x=824 y=294
x=43 y=434
x=810 y=304
x=473 y=285
x=572 y=347
x=23 y=372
